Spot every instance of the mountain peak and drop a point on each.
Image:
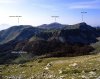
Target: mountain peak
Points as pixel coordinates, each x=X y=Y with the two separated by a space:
x=83 y=23
x=84 y=26
x=54 y=25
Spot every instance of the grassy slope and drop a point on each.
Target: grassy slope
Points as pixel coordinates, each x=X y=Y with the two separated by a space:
x=85 y=66
x=96 y=45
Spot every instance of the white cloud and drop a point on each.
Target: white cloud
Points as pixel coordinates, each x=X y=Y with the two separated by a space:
x=93 y=4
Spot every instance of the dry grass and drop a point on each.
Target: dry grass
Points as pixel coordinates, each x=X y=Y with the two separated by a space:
x=86 y=66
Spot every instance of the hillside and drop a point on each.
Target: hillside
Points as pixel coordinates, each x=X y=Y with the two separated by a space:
x=17 y=33
x=81 y=32
x=51 y=51
x=81 y=67
x=52 y=40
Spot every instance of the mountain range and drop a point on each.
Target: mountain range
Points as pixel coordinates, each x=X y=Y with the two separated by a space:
x=48 y=40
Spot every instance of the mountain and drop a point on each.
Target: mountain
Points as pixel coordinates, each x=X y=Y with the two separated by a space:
x=81 y=33
x=47 y=40
x=17 y=33
x=52 y=26
x=78 y=33
x=82 y=26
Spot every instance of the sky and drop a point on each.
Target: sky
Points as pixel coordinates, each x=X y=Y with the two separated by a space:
x=37 y=12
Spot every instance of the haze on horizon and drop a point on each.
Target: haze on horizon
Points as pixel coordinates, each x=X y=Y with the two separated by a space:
x=37 y=12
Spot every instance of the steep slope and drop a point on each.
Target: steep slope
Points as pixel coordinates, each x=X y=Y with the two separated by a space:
x=10 y=37
x=17 y=33
x=79 y=33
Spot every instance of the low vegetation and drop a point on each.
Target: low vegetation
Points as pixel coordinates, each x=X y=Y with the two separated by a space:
x=81 y=67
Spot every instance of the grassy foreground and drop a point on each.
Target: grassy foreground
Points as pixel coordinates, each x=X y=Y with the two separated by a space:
x=81 y=67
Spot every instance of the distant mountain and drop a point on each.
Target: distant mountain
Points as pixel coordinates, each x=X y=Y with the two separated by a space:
x=4 y=26
x=50 y=40
x=52 y=26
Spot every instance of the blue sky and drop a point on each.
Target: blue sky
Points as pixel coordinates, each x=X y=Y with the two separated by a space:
x=37 y=12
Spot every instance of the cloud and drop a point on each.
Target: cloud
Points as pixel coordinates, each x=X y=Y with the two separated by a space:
x=93 y=4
